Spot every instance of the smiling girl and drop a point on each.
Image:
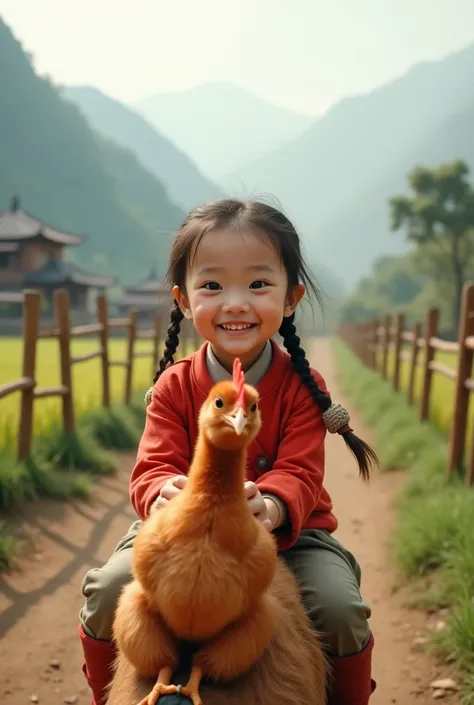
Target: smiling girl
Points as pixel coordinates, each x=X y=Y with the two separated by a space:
x=237 y=273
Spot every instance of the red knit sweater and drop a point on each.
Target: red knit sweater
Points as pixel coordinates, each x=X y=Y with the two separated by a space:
x=286 y=459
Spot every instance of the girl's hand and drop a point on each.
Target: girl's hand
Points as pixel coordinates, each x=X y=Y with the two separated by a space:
x=170 y=489
x=257 y=505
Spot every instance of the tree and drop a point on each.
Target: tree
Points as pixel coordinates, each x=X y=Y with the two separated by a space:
x=439 y=218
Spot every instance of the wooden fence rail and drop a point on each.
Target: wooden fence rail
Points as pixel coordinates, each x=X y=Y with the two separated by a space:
x=374 y=342
x=64 y=333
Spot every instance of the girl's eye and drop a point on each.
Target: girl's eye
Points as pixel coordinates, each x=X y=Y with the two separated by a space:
x=219 y=402
x=258 y=284
x=254 y=407
x=212 y=286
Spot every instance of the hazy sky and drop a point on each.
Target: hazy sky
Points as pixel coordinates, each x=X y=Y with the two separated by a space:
x=304 y=54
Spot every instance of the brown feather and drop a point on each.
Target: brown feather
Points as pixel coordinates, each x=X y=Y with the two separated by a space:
x=291 y=670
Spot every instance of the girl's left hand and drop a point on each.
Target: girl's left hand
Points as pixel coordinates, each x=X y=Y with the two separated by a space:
x=257 y=505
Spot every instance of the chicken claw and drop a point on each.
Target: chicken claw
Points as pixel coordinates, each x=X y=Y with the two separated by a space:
x=191 y=689
x=161 y=687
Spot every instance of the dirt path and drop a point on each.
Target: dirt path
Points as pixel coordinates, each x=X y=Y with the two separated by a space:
x=39 y=604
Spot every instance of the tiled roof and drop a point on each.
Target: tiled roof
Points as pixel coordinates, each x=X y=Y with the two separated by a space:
x=17 y=224
x=151 y=285
x=141 y=303
x=59 y=272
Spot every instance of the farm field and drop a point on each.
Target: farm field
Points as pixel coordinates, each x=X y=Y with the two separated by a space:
x=87 y=378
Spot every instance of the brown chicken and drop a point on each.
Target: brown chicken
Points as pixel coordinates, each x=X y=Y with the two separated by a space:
x=291 y=670
x=202 y=565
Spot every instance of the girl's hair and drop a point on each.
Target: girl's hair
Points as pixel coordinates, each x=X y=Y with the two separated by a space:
x=272 y=224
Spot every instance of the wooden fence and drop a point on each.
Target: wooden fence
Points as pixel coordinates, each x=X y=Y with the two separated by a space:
x=373 y=343
x=64 y=333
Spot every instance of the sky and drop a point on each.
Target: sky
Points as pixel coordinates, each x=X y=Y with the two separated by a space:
x=303 y=54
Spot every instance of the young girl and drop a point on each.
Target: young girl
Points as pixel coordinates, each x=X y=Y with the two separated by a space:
x=238 y=274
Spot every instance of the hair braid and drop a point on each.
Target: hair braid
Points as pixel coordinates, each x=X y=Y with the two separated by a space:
x=171 y=342
x=335 y=417
x=171 y=345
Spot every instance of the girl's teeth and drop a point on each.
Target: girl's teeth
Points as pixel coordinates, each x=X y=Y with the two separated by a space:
x=236 y=327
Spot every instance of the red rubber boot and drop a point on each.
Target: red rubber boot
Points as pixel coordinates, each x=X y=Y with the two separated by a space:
x=350 y=682
x=99 y=657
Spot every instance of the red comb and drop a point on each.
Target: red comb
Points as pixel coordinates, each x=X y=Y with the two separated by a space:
x=238 y=379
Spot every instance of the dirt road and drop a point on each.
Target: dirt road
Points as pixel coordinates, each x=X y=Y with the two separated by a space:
x=40 y=659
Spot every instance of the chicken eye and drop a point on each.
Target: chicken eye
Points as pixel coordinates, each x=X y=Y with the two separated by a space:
x=219 y=402
x=254 y=407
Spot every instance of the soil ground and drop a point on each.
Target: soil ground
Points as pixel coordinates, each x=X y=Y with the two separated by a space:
x=40 y=653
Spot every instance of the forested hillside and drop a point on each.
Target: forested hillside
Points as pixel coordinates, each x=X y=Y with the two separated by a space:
x=184 y=182
x=72 y=178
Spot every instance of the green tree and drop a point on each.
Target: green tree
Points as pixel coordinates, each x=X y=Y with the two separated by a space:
x=439 y=219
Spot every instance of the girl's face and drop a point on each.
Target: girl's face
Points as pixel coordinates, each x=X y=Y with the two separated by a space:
x=237 y=294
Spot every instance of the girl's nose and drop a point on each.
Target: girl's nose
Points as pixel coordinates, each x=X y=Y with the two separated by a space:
x=236 y=306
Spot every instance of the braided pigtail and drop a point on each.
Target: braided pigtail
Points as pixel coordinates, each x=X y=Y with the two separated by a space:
x=171 y=345
x=335 y=416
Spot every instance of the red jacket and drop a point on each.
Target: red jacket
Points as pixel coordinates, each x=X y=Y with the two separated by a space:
x=286 y=459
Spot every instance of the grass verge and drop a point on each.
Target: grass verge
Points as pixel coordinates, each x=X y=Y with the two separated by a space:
x=433 y=544
x=61 y=464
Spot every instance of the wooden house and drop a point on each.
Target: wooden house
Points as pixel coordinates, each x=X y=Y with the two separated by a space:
x=32 y=256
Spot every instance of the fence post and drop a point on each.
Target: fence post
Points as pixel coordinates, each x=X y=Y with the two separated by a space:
x=413 y=363
x=31 y=317
x=399 y=326
x=156 y=345
x=386 y=341
x=103 y=319
x=431 y=323
x=61 y=311
x=374 y=342
x=366 y=338
x=461 y=398
x=132 y=335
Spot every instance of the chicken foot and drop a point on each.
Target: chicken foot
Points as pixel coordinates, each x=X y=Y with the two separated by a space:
x=161 y=687
x=145 y=640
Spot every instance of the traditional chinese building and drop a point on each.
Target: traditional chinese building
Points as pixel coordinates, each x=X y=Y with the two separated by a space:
x=148 y=297
x=32 y=256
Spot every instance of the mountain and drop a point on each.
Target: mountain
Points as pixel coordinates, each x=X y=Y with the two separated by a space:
x=369 y=213
x=73 y=178
x=221 y=126
x=334 y=180
x=185 y=183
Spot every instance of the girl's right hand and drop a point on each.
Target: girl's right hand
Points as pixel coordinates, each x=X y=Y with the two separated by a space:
x=170 y=489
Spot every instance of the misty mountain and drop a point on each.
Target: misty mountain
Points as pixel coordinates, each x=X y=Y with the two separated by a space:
x=185 y=184
x=72 y=178
x=222 y=126
x=369 y=212
x=334 y=180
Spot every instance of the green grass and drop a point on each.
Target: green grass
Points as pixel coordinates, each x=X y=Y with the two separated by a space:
x=433 y=544
x=87 y=376
x=8 y=546
x=61 y=464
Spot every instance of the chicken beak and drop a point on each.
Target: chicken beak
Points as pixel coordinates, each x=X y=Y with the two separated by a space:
x=238 y=421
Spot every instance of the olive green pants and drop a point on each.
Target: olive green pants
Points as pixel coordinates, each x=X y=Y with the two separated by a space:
x=327 y=573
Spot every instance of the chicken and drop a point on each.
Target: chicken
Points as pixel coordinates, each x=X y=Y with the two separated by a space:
x=203 y=565
x=291 y=670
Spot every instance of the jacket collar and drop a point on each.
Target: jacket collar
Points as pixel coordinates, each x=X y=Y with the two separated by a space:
x=252 y=376
x=271 y=379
